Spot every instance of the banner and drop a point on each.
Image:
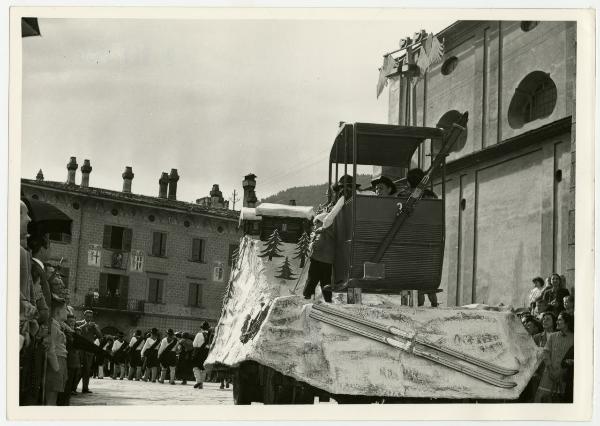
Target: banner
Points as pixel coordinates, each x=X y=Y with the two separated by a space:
x=137 y=261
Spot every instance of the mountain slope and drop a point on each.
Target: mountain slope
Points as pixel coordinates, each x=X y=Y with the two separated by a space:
x=310 y=195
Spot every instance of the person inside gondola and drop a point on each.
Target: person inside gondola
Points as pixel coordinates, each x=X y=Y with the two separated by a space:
x=384 y=186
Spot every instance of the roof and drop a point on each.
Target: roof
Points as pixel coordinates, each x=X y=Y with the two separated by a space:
x=284 y=210
x=152 y=202
x=379 y=144
x=249 y=213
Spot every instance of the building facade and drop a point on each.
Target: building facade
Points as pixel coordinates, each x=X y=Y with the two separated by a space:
x=510 y=181
x=140 y=261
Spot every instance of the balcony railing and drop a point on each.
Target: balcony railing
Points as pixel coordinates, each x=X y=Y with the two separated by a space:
x=116 y=303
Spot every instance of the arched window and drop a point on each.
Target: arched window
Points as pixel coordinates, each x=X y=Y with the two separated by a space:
x=445 y=122
x=449 y=65
x=534 y=98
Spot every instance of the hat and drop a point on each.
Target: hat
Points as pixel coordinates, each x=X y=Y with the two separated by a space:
x=179 y=334
x=346 y=179
x=187 y=335
x=385 y=180
x=170 y=332
x=88 y=311
x=205 y=326
x=154 y=330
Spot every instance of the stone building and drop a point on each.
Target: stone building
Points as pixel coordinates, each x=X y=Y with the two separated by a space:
x=140 y=261
x=510 y=183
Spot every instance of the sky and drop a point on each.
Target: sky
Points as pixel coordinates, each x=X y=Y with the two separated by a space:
x=215 y=99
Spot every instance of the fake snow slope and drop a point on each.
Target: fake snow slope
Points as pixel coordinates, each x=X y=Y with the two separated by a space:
x=341 y=362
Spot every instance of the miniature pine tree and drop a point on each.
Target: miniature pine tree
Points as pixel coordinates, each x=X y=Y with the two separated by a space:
x=302 y=249
x=272 y=250
x=285 y=271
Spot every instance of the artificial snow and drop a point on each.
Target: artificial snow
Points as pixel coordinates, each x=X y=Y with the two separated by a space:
x=341 y=362
x=284 y=210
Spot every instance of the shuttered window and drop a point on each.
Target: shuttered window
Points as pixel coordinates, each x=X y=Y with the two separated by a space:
x=197 y=250
x=155 y=290
x=117 y=238
x=159 y=244
x=195 y=294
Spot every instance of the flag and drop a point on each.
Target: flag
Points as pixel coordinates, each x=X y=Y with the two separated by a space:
x=431 y=52
x=386 y=68
x=137 y=261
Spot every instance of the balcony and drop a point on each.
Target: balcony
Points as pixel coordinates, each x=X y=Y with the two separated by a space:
x=114 y=303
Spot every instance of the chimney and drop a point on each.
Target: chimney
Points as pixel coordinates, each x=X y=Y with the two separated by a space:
x=292 y=202
x=173 y=178
x=249 y=183
x=71 y=169
x=40 y=176
x=86 y=169
x=162 y=185
x=216 y=196
x=127 y=178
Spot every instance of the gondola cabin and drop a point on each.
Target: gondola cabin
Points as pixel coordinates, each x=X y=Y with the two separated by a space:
x=290 y=221
x=249 y=221
x=413 y=259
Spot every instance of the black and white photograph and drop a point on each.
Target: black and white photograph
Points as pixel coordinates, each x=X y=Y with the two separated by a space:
x=223 y=208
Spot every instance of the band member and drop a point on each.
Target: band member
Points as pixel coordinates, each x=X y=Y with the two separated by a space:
x=184 y=350
x=119 y=352
x=90 y=330
x=149 y=354
x=135 y=358
x=199 y=354
x=167 y=357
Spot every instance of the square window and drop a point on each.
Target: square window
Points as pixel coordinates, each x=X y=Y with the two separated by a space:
x=159 y=244
x=197 y=250
x=155 y=290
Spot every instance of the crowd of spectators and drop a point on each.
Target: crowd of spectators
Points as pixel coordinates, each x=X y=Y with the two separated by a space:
x=549 y=319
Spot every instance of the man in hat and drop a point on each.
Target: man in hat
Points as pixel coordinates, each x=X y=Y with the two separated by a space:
x=343 y=187
x=321 y=260
x=413 y=178
x=199 y=354
x=90 y=330
x=149 y=354
x=167 y=356
x=119 y=348
x=384 y=186
x=135 y=358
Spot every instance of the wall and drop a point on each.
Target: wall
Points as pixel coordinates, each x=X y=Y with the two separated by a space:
x=499 y=235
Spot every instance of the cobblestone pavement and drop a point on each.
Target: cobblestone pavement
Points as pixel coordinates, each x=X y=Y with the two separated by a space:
x=125 y=392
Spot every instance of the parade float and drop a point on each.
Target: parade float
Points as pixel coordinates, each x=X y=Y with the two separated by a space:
x=368 y=345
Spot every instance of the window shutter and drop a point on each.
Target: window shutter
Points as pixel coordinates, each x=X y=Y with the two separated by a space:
x=106 y=240
x=159 y=289
x=163 y=245
x=152 y=284
x=196 y=249
x=102 y=285
x=199 y=295
x=201 y=250
x=124 y=286
x=156 y=244
x=127 y=234
x=191 y=294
